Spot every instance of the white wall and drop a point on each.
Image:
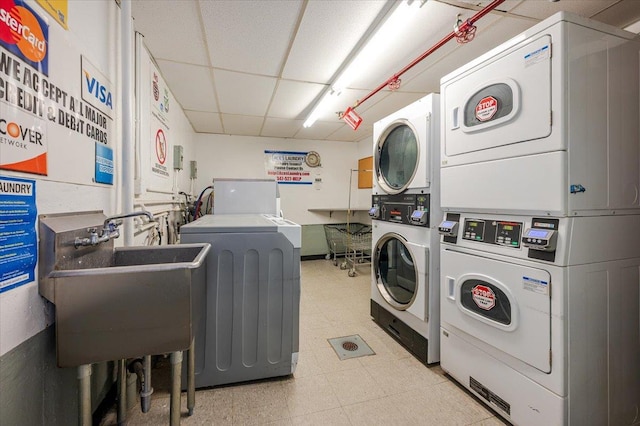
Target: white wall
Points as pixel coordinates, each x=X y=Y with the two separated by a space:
x=243 y=157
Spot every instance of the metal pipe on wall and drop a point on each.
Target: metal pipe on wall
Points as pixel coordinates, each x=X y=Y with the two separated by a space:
x=128 y=144
x=128 y=157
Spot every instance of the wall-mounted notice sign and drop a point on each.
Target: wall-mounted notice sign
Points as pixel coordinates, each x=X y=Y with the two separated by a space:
x=18 y=242
x=159 y=148
x=288 y=167
x=104 y=164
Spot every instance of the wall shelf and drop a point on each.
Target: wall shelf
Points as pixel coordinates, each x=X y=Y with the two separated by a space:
x=331 y=211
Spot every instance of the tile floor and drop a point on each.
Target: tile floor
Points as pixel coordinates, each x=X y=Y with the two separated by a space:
x=388 y=388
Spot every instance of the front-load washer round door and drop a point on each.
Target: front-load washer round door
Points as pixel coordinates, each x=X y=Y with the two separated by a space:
x=397 y=155
x=396 y=271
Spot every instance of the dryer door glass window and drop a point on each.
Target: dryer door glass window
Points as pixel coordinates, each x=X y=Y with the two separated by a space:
x=397 y=158
x=396 y=273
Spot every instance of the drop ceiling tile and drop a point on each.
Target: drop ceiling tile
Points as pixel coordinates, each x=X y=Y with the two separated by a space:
x=347 y=134
x=241 y=124
x=204 y=122
x=340 y=103
x=243 y=94
x=190 y=84
x=328 y=32
x=320 y=130
x=292 y=98
x=543 y=9
x=249 y=36
x=280 y=128
x=172 y=31
x=385 y=106
x=479 y=4
x=622 y=14
x=487 y=38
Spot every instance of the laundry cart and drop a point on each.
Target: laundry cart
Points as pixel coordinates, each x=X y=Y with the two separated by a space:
x=358 y=249
x=253 y=297
x=352 y=241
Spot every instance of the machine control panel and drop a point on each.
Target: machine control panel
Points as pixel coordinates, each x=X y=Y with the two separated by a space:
x=408 y=209
x=540 y=239
x=448 y=228
x=419 y=217
x=502 y=233
x=374 y=212
x=473 y=230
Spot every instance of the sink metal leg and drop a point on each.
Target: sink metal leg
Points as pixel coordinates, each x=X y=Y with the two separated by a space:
x=191 y=378
x=122 y=391
x=84 y=395
x=176 y=379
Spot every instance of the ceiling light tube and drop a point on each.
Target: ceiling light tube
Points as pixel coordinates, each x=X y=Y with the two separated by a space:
x=379 y=42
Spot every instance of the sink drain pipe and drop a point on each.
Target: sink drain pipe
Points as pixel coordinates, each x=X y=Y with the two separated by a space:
x=143 y=373
x=84 y=395
x=146 y=390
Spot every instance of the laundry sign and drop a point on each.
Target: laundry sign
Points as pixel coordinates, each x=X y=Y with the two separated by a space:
x=18 y=241
x=290 y=167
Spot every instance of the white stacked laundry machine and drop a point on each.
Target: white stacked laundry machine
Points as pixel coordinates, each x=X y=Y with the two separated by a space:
x=405 y=208
x=540 y=255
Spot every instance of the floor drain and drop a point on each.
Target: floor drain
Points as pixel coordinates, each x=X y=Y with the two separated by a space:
x=350 y=346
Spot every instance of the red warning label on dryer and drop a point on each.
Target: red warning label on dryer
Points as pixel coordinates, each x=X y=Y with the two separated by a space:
x=484 y=297
x=486 y=108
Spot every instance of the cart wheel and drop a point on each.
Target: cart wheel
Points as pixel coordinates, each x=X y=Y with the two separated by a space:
x=335 y=262
x=343 y=265
x=352 y=274
x=327 y=256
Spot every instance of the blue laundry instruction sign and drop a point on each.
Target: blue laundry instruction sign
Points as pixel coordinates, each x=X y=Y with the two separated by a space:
x=18 y=241
x=104 y=164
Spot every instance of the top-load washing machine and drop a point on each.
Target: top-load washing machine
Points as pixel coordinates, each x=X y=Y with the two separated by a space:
x=546 y=123
x=403 y=148
x=405 y=253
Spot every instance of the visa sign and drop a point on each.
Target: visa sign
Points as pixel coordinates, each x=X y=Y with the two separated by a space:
x=24 y=33
x=96 y=89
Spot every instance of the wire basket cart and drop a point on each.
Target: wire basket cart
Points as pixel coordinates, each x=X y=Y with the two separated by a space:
x=346 y=240
x=358 y=249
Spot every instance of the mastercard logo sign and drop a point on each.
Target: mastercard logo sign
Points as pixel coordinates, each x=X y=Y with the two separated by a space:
x=24 y=33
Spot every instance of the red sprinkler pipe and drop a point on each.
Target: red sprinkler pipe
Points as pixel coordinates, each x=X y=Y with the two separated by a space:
x=435 y=47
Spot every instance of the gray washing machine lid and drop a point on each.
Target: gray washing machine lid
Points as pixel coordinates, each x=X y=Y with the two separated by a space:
x=245 y=223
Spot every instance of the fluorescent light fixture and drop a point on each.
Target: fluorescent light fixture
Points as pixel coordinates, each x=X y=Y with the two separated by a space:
x=386 y=36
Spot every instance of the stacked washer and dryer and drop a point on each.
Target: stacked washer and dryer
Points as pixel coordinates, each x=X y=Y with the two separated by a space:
x=540 y=256
x=405 y=206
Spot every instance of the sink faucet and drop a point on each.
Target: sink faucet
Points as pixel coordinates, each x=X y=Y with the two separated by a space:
x=109 y=229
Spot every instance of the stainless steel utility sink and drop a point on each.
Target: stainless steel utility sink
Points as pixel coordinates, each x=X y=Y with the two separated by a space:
x=119 y=303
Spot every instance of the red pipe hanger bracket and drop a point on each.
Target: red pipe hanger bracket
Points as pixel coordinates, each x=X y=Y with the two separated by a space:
x=464 y=32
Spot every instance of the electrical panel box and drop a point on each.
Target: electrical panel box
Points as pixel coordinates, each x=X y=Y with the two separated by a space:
x=194 y=169
x=178 y=157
